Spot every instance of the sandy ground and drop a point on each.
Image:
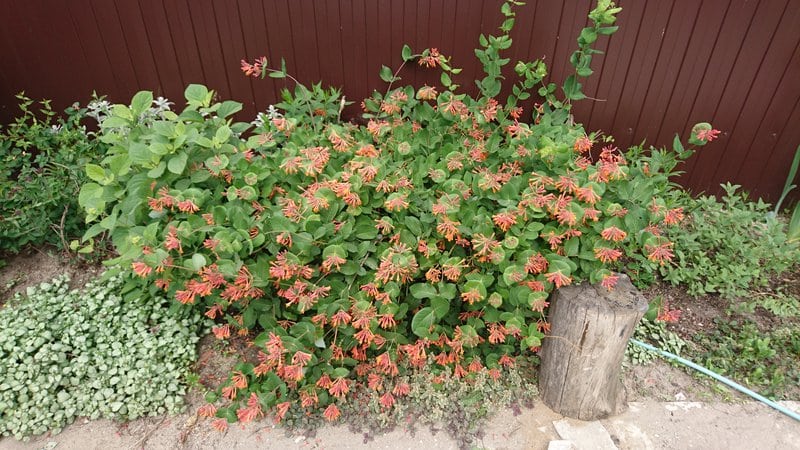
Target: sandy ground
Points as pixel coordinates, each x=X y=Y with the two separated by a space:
x=646 y=425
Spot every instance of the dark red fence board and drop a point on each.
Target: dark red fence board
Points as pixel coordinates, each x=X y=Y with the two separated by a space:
x=734 y=63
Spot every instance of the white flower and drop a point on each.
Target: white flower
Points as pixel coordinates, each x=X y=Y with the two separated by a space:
x=273 y=112
x=162 y=104
x=98 y=110
x=259 y=121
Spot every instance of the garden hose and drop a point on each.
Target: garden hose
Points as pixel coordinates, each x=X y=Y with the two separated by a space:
x=720 y=378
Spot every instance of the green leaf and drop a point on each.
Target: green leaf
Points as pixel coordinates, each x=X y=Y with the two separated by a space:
x=475 y=285
x=445 y=79
x=305 y=332
x=109 y=222
x=96 y=173
x=572 y=89
x=160 y=148
x=93 y=231
x=422 y=290
x=366 y=231
x=198 y=261
x=793 y=232
x=607 y=30
x=340 y=372
x=158 y=170
x=88 y=192
x=140 y=153
x=510 y=274
x=406 y=53
x=177 y=163
x=228 y=107
x=587 y=36
x=447 y=290
x=677 y=145
x=414 y=225
x=386 y=74
x=441 y=306
x=141 y=102
x=337 y=250
x=115 y=122
x=788 y=186
x=507 y=25
x=196 y=93
x=422 y=321
x=222 y=134
x=571 y=246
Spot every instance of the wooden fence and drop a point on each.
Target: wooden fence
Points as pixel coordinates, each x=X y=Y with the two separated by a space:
x=734 y=63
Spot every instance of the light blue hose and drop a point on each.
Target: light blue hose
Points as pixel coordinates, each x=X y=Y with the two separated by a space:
x=720 y=378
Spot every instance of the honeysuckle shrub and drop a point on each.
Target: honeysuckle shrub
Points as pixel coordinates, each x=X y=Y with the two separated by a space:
x=92 y=352
x=437 y=230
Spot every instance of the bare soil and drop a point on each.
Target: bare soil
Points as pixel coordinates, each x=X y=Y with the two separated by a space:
x=35 y=266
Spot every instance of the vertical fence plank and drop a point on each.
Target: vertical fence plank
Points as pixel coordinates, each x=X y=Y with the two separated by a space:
x=209 y=45
x=777 y=137
x=736 y=97
x=134 y=33
x=187 y=52
x=667 y=72
x=637 y=81
x=255 y=36
x=233 y=51
x=85 y=36
x=615 y=75
x=164 y=55
x=717 y=71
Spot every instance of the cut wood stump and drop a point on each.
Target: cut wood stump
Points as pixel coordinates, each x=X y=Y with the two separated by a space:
x=580 y=374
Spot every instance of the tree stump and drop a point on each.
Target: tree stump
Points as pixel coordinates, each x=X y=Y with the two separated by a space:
x=582 y=357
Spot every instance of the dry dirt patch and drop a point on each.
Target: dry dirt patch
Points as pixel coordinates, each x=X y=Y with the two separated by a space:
x=38 y=266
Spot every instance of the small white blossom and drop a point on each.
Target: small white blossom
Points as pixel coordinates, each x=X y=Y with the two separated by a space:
x=162 y=104
x=259 y=120
x=98 y=110
x=273 y=112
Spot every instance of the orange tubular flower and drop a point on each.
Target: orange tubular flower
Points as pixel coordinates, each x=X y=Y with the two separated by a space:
x=505 y=220
x=613 y=234
x=583 y=144
x=332 y=413
x=339 y=388
x=387 y=400
x=609 y=281
x=220 y=425
x=558 y=278
x=659 y=253
x=427 y=93
x=607 y=255
x=141 y=269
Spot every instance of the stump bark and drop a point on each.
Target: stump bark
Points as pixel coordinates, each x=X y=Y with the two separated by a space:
x=580 y=375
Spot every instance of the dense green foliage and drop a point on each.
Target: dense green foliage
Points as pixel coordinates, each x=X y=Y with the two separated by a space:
x=90 y=352
x=437 y=230
x=767 y=360
x=729 y=246
x=42 y=159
